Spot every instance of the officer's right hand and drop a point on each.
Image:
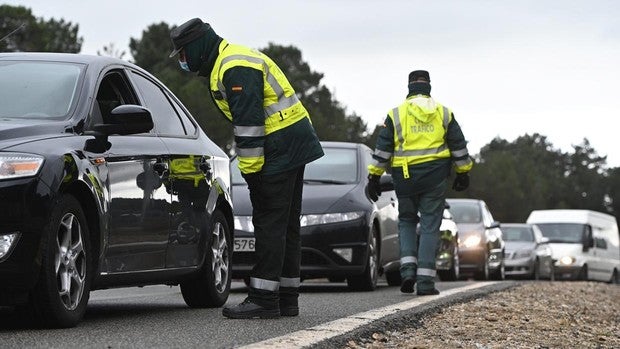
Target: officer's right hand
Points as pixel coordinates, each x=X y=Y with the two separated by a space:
x=373 y=188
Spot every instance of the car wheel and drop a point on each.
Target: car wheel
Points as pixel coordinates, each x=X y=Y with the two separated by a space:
x=483 y=274
x=212 y=286
x=452 y=274
x=393 y=278
x=367 y=281
x=61 y=293
x=615 y=278
x=583 y=273
x=536 y=271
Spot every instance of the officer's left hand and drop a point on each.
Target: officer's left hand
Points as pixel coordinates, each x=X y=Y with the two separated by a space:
x=461 y=182
x=373 y=187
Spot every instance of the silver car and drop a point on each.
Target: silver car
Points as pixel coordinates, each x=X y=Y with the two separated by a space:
x=528 y=254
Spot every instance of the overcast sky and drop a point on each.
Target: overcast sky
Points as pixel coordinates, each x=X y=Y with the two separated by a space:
x=506 y=68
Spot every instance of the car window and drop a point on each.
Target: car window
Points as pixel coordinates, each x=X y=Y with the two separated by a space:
x=38 y=90
x=189 y=126
x=113 y=90
x=463 y=212
x=165 y=117
x=517 y=234
x=562 y=232
x=337 y=165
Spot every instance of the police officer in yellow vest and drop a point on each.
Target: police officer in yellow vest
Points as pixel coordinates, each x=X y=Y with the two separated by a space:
x=421 y=142
x=274 y=140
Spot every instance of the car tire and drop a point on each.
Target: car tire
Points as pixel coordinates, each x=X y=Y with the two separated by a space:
x=583 y=273
x=536 y=271
x=615 y=278
x=454 y=273
x=484 y=273
x=61 y=293
x=212 y=286
x=367 y=281
x=393 y=278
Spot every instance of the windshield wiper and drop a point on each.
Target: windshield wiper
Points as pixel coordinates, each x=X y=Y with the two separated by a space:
x=323 y=181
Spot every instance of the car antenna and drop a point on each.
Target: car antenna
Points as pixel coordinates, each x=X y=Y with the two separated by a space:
x=13 y=32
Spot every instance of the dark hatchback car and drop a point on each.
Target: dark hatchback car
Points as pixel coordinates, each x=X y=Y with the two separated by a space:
x=105 y=181
x=344 y=235
x=481 y=246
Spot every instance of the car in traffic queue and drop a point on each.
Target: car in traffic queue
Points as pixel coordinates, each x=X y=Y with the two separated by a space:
x=528 y=254
x=481 y=246
x=344 y=235
x=106 y=180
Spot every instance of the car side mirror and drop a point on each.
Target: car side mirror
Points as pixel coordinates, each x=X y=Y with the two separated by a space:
x=587 y=240
x=126 y=119
x=386 y=183
x=494 y=224
x=544 y=240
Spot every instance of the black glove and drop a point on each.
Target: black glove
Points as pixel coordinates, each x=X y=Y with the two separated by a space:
x=461 y=182
x=373 y=188
x=252 y=179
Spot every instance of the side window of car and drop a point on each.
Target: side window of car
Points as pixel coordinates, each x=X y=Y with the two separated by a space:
x=189 y=126
x=113 y=90
x=165 y=117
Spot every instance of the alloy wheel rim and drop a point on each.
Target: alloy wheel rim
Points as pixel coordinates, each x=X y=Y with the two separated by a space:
x=70 y=261
x=220 y=264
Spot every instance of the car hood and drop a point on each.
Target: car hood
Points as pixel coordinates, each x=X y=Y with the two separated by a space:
x=17 y=131
x=317 y=199
x=559 y=250
x=468 y=229
x=512 y=246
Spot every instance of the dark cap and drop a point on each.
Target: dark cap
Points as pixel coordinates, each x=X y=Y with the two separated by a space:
x=419 y=74
x=186 y=33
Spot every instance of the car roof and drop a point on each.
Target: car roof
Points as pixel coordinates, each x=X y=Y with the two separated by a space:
x=66 y=57
x=517 y=224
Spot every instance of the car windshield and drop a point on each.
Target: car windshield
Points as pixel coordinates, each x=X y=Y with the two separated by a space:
x=36 y=90
x=337 y=166
x=517 y=234
x=562 y=232
x=465 y=212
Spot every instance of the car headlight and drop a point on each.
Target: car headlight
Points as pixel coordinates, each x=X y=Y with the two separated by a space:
x=7 y=242
x=472 y=241
x=19 y=165
x=567 y=260
x=244 y=223
x=523 y=254
x=315 y=219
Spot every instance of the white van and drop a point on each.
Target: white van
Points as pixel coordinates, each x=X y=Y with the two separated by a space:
x=585 y=244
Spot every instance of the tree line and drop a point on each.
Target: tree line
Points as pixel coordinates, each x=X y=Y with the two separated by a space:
x=512 y=177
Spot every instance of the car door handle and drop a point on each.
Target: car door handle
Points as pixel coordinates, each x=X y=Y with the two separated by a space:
x=161 y=168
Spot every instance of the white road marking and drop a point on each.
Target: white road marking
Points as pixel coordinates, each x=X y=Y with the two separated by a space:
x=314 y=335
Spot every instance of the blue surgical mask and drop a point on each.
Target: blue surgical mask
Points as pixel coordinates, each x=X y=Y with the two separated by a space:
x=184 y=66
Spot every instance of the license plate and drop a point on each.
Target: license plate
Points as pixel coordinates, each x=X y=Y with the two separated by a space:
x=244 y=244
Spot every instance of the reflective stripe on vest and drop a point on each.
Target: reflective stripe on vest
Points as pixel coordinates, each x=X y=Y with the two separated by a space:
x=263 y=284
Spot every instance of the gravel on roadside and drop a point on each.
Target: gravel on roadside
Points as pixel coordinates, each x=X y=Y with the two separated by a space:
x=567 y=314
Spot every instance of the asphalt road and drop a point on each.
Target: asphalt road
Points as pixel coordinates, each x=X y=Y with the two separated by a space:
x=157 y=317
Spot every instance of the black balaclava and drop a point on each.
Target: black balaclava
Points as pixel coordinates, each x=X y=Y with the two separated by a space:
x=201 y=53
x=417 y=87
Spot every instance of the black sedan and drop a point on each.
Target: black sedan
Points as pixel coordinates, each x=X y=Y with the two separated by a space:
x=344 y=235
x=106 y=180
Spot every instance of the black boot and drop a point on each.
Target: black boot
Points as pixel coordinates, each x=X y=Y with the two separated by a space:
x=289 y=306
x=431 y=292
x=407 y=285
x=248 y=310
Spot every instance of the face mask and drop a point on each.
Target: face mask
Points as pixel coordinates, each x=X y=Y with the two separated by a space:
x=184 y=66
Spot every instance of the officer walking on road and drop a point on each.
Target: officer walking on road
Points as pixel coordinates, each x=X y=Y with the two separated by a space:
x=274 y=140
x=420 y=140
